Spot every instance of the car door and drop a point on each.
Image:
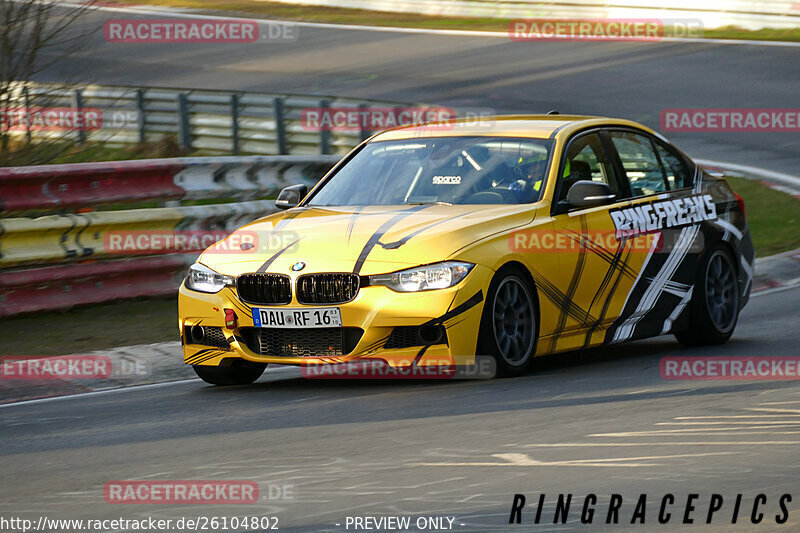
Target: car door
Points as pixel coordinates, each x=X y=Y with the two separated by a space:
x=664 y=207
x=597 y=267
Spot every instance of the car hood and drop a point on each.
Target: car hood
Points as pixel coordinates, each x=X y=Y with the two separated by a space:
x=366 y=240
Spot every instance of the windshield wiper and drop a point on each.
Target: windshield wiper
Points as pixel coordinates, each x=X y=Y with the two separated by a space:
x=429 y=203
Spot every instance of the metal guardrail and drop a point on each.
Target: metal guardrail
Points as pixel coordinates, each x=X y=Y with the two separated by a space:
x=213 y=122
x=62 y=188
x=747 y=14
x=70 y=258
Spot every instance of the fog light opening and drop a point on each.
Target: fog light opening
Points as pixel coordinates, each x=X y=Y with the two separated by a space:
x=430 y=334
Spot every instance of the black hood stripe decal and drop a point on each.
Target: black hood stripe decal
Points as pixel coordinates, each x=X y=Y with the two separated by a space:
x=352 y=222
x=397 y=244
x=265 y=266
x=373 y=240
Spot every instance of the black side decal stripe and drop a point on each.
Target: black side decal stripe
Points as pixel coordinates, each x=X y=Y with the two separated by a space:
x=552 y=293
x=612 y=267
x=605 y=254
x=208 y=357
x=471 y=302
x=573 y=285
x=609 y=298
x=198 y=355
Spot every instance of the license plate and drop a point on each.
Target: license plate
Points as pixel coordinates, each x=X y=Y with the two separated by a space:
x=310 y=317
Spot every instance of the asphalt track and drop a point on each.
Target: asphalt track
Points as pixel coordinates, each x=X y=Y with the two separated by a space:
x=604 y=423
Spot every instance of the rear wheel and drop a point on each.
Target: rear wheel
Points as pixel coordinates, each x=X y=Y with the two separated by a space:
x=508 y=325
x=243 y=373
x=714 y=309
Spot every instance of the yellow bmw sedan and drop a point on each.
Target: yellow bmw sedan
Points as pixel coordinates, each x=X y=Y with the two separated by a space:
x=511 y=237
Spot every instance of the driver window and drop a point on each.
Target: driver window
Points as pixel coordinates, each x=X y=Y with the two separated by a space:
x=585 y=160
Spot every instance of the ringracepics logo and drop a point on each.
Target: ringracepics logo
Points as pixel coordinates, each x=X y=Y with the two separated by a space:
x=731 y=120
x=665 y=509
x=603 y=29
x=197 y=31
x=181 y=492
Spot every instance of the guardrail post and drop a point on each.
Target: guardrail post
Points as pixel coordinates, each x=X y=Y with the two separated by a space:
x=77 y=106
x=235 y=124
x=365 y=133
x=280 y=127
x=324 y=133
x=141 y=121
x=184 y=127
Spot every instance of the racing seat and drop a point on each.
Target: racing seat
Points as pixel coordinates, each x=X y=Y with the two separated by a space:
x=579 y=170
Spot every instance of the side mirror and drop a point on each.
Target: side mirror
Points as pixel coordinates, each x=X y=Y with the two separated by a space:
x=585 y=193
x=291 y=196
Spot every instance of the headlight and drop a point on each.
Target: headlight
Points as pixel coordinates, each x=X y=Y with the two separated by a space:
x=424 y=278
x=203 y=279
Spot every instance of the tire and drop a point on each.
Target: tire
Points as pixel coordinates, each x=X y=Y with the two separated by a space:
x=243 y=373
x=714 y=308
x=509 y=325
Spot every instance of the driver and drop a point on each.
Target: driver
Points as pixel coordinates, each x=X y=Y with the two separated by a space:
x=529 y=174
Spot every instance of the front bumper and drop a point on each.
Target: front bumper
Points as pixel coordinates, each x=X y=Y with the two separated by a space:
x=375 y=310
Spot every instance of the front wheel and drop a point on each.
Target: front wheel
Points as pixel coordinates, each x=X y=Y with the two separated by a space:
x=509 y=324
x=243 y=373
x=714 y=308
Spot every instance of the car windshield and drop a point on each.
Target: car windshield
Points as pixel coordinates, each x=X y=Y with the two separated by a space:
x=449 y=170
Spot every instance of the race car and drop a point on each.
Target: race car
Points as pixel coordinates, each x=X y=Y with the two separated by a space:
x=509 y=237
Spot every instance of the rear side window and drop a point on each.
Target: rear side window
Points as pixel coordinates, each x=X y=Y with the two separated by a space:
x=678 y=174
x=640 y=163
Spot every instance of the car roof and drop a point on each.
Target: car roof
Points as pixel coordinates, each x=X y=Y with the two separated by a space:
x=532 y=126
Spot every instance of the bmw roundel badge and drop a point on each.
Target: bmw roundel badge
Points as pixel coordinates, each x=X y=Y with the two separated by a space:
x=297 y=267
